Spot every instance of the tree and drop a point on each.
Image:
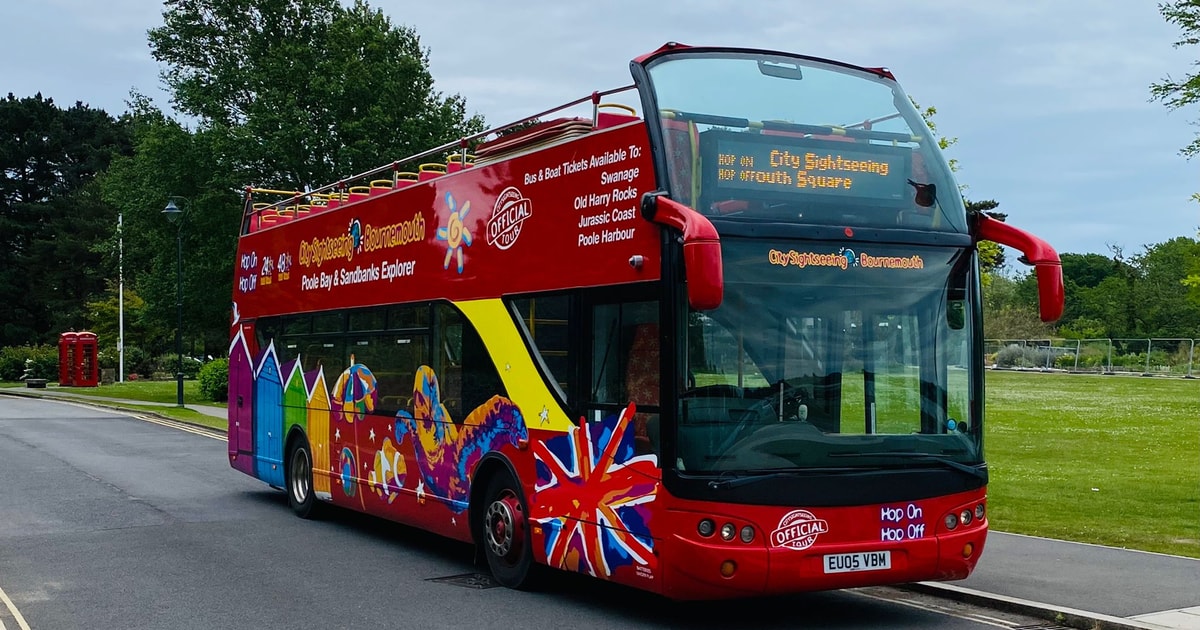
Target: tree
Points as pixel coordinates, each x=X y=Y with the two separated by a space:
x=169 y=160
x=991 y=255
x=104 y=319
x=49 y=215
x=1009 y=311
x=304 y=92
x=1163 y=309
x=1175 y=94
x=1090 y=309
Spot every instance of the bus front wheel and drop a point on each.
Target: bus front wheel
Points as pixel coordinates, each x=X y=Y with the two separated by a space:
x=505 y=533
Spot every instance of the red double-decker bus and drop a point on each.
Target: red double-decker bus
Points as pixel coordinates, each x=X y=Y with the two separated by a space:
x=729 y=347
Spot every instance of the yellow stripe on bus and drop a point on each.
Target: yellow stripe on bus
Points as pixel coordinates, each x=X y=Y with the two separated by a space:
x=521 y=377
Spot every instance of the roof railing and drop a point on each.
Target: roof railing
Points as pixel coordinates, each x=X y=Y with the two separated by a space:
x=337 y=193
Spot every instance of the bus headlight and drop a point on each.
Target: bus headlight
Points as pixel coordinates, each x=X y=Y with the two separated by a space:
x=747 y=534
x=706 y=527
x=951 y=521
x=979 y=512
x=964 y=517
x=728 y=531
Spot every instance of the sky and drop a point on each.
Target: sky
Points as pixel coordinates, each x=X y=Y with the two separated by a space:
x=1049 y=101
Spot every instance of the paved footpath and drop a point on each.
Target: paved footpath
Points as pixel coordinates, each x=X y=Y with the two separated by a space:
x=1093 y=586
x=1149 y=589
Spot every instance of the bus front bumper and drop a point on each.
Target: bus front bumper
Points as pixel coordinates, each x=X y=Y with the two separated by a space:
x=713 y=570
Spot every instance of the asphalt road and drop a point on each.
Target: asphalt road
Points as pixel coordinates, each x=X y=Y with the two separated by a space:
x=110 y=521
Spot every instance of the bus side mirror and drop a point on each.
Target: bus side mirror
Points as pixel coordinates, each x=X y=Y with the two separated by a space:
x=1038 y=253
x=701 y=248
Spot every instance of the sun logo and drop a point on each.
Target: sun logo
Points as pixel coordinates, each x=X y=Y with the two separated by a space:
x=455 y=233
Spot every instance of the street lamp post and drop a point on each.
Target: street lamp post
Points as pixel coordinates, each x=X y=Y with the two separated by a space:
x=175 y=215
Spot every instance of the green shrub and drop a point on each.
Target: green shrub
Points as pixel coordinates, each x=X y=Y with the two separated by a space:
x=1065 y=361
x=137 y=361
x=12 y=363
x=41 y=361
x=214 y=380
x=169 y=364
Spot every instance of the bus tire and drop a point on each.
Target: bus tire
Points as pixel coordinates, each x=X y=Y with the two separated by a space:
x=300 y=480
x=505 y=533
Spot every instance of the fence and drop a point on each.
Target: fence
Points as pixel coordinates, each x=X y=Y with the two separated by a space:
x=1147 y=357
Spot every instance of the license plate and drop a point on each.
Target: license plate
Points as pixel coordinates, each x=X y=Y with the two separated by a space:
x=861 y=561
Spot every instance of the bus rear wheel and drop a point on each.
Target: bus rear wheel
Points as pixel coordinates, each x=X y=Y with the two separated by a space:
x=300 y=480
x=505 y=533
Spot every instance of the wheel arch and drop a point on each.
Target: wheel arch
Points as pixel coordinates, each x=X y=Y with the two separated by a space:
x=294 y=436
x=491 y=465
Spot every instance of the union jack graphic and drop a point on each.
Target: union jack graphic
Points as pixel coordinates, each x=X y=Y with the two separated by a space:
x=592 y=498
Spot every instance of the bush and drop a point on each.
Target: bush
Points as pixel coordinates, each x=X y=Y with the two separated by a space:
x=1065 y=361
x=214 y=380
x=137 y=361
x=42 y=362
x=169 y=365
x=1025 y=357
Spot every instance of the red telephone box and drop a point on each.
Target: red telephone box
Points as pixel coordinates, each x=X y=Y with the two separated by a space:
x=66 y=358
x=78 y=365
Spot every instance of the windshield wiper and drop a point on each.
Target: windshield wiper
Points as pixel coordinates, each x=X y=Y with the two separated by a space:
x=737 y=478
x=926 y=457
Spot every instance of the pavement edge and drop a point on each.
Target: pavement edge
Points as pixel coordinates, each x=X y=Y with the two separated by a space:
x=1062 y=615
x=103 y=404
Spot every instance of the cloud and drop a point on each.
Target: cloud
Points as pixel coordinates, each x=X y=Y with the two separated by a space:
x=1049 y=100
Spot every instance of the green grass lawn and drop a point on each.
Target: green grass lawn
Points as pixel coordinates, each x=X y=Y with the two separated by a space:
x=1101 y=459
x=1112 y=460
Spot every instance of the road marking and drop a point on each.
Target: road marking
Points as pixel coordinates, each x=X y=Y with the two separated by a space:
x=12 y=608
x=182 y=427
x=943 y=610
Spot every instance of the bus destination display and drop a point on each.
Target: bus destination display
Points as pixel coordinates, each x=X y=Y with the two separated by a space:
x=783 y=165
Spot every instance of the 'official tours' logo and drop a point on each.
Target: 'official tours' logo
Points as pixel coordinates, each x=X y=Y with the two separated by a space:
x=509 y=213
x=798 y=530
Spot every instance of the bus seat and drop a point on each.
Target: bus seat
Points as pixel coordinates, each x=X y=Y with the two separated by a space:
x=405 y=179
x=683 y=151
x=454 y=163
x=380 y=186
x=642 y=380
x=450 y=389
x=392 y=404
x=358 y=192
x=533 y=137
x=429 y=171
x=606 y=119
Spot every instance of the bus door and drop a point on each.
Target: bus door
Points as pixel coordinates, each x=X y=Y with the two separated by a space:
x=625 y=366
x=241 y=392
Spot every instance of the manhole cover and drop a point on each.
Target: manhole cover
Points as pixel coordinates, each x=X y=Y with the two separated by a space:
x=467 y=580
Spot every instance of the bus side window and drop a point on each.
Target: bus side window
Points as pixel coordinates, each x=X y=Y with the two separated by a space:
x=642 y=384
x=467 y=376
x=626 y=363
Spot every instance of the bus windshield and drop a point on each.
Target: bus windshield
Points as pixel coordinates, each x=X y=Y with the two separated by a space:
x=760 y=136
x=824 y=356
